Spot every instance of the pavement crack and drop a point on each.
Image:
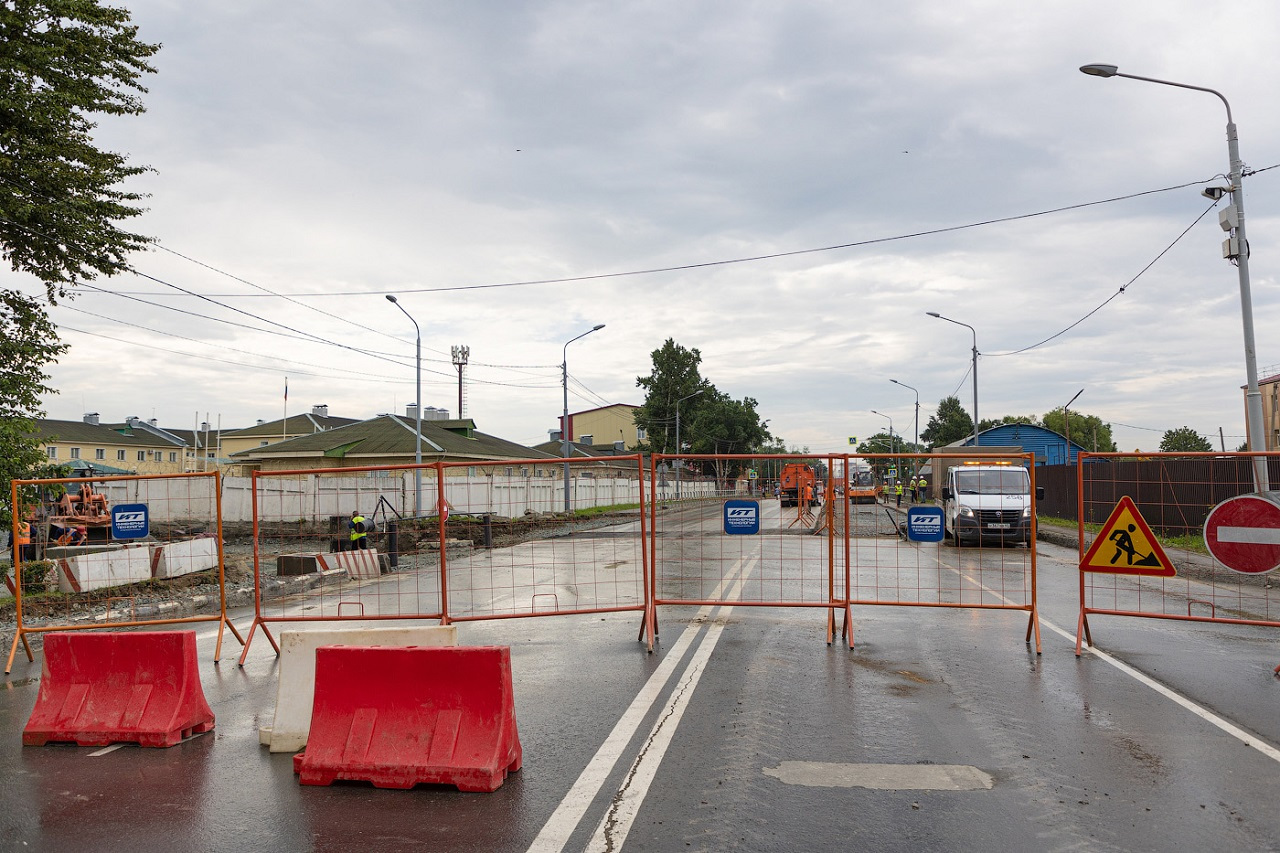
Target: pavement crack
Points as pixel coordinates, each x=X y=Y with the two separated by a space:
x=611 y=817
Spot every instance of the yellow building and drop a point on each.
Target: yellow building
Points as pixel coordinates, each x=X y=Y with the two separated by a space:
x=1270 y=389
x=88 y=444
x=606 y=425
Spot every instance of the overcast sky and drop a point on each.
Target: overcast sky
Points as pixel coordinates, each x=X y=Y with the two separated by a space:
x=311 y=158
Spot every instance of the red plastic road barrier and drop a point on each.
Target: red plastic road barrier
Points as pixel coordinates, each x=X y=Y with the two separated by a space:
x=139 y=686
x=400 y=716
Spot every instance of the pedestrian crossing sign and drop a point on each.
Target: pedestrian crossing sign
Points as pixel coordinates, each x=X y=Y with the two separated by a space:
x=1126 y=546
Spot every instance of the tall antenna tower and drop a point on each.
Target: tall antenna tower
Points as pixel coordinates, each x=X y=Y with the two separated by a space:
x=460 y=356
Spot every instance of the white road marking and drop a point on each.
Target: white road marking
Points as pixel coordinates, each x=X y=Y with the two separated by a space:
x=1250 y=535
x=106 y=749
x=1169 y=693
x=565 y=819
x=612 y=832
x=882 y=777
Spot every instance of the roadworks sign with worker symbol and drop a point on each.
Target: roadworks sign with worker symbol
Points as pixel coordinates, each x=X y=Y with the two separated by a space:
x=1126 y=546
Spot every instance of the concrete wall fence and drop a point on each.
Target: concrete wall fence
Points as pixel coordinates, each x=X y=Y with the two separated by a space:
x=311 y=496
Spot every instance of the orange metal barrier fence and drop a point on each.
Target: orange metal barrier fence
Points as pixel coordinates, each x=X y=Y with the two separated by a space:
x=1177 y=537
x=983 y=557
x=492 y=540
x=526 y=556
x=345 y=545
x=448 y=541
x=116 y=552
x=743 y=530
x=847 y=541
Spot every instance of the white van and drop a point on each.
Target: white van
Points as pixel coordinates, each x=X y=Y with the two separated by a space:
x=988 y=502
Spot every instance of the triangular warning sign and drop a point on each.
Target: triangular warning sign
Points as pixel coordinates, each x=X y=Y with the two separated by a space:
x=1126 y=546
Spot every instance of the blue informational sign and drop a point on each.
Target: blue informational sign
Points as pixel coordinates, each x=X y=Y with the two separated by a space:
x=742 y=517
x=924 y=524
x=129 y=521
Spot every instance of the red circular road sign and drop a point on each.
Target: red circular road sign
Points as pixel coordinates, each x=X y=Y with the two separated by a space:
x=1243 y=533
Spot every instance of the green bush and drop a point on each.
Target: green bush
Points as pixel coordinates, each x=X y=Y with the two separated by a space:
x=36 y=575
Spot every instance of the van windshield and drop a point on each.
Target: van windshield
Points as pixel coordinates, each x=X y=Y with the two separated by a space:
x=1006 y=481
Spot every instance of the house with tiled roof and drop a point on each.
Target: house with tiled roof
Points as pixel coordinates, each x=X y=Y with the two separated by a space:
x=266 y=433
x=386 y=440
x=83 y=443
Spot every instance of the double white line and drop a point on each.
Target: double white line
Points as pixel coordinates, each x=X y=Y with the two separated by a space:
x=612 y=830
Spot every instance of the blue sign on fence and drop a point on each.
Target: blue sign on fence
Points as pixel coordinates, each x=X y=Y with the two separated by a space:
x=742 y=517
x=924 y=524
x=129 y=521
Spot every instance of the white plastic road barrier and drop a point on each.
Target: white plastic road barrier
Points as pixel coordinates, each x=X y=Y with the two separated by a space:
x=360 y=563
x=104 y=569
x=297 y=685
x=185 y=557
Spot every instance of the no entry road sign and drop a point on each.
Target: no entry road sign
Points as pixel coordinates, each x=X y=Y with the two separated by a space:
x=1243 y=533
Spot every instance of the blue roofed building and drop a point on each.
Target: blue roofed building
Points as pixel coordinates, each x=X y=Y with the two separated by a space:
x=1049 y=447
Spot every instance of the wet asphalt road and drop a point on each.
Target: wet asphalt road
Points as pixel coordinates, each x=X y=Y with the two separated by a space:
x=763 y=738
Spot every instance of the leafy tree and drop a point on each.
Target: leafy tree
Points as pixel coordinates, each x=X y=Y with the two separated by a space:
x=724 y=425
x=28 y=341
x=1184 y=440
x=881 y=442
x=674 y=377
x=62 y=62
x=950 y=423
x=987 y=423
x=1088 y=431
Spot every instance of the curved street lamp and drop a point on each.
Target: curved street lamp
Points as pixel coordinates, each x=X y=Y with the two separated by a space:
x=679 y=461
x=417 y=432
x=564 y=424
x=1253 y=397
x=916 y=442
x=975 y=369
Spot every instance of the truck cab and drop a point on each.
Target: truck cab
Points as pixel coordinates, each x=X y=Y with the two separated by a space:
x=983 y=502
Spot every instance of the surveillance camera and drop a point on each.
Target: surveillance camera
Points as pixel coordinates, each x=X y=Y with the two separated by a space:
x=1215 y=193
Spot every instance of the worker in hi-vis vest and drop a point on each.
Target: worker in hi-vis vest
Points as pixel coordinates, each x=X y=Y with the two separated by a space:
x=897 y=491
x=359 y=538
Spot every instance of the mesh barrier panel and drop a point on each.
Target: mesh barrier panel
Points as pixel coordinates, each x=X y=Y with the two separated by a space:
x=348 y=544
x=523 y=554
x=839 y=532
x=1143 y=522
x=113 y=552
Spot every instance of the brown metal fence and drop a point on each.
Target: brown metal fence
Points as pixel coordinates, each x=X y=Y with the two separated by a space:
x=1174 y=492
x=117 y=552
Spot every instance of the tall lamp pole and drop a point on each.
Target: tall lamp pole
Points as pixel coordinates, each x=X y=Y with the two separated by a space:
x=1066 y=422
x=680 y=462
x=916 y=442
x=883 y=415
x=1253 y=397
x=975 y=369
x=417 y=432
x=564 y=424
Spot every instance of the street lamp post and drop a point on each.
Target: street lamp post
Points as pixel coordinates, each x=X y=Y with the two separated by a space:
x=417 y=432
x=916 y=441
x=891 y=447
x=1066 y=423
x=564 y=424
x=679 y=461
x=1253 y=397
x=975 y=369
